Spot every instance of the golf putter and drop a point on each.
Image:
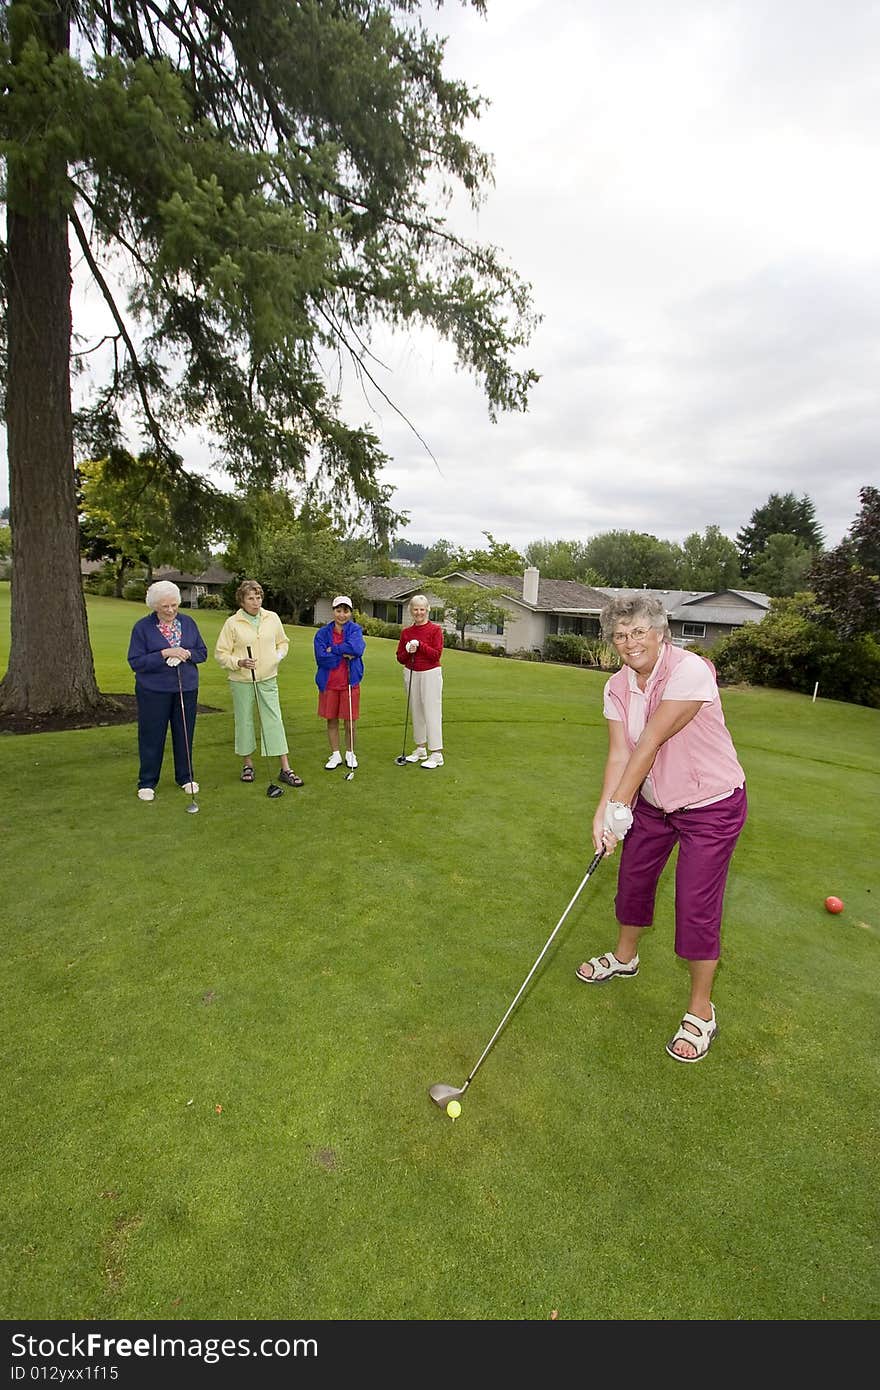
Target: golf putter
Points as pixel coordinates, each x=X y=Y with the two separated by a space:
x=440 y=1093
x=401 y=761
x=193 y=806
x=349 y=776
x=273 y=791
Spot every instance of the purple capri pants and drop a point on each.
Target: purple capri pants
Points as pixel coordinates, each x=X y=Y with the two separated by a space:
x=706 y=837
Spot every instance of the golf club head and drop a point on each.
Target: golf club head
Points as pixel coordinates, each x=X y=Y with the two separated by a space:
x=274 y=791
x=442 y=1094
x=192 y=809
x=401 y=761
x=349 y=776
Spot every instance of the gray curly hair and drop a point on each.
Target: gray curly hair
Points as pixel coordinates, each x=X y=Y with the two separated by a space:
x=628 y=608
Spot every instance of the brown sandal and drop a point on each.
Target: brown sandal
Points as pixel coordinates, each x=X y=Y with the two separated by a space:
x=247 y=773
x=290 y=779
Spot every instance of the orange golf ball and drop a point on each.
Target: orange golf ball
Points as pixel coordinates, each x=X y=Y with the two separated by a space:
x=834 y=904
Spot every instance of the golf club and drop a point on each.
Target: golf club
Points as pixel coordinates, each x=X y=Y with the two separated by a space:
x=193 y=806
x=401 y=761
x=440 y=1093
x=349 y=776
x=273 y=791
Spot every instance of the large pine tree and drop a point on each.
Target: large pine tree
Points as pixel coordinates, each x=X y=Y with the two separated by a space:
x=258 y=173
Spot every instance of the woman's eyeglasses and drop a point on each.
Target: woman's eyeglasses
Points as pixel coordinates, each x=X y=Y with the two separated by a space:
x=637 y=634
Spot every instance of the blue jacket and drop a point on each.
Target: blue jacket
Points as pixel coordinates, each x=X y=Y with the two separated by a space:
x=329 y=656
x=146 y=660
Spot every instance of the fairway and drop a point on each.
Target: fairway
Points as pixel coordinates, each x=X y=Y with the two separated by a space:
x=221 y=1028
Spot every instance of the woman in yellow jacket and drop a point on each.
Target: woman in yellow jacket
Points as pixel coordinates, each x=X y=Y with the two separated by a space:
x=250 y=646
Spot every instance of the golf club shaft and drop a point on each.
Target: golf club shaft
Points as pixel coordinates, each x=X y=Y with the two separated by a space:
x=594 y=862
x=350 y=723
x=406 y=716
x=257 y=699
x=189 y=766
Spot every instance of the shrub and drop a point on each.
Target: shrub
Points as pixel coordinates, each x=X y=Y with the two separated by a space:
x=526 y=654
x=103 y=586
x=212 y=601
x=375 y=627
x=135 y=590
x=791 y=649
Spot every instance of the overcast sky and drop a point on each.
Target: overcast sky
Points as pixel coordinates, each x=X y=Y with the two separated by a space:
x=692 y=190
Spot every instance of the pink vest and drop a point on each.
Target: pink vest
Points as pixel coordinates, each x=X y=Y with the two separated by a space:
x=700 y=760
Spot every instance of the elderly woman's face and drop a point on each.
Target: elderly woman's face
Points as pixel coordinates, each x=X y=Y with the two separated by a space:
x=167 y=609
x=252 y=602
x=419 y=612
x=638 y=644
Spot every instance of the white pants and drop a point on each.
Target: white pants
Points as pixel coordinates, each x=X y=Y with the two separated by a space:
x=426 y=707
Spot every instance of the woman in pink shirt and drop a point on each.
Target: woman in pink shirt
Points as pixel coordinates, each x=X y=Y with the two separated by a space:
x=672 y=777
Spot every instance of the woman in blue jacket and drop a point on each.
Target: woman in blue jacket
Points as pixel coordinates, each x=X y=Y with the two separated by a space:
x=339 y=650
x=164 y=652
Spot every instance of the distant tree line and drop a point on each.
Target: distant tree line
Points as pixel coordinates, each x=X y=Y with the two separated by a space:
x=771 y=554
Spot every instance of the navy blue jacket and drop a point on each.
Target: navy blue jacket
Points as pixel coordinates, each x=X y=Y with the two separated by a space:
x=352 y=643
x=146 y=660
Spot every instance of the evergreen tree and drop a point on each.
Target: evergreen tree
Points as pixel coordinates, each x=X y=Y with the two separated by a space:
x=781 y=515
x=256 y=173
x=846 y=580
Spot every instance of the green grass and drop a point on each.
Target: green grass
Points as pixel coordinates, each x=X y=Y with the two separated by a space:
x=313 y=964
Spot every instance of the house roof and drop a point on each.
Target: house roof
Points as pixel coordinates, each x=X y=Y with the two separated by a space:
x=214 y=574
x=724 y=605
x=554 y=595
x=377 y=586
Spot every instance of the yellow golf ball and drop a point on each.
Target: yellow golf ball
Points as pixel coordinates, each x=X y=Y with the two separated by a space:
x=453 y=1109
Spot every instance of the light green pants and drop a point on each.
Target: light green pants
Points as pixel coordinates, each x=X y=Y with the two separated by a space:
x=245 y=695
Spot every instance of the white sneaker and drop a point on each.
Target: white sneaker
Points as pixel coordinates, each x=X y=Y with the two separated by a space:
x=435 y=760
x=351 y=760
x=146 y=794
x=334 y=760
x=189 y=787
x=418 y=755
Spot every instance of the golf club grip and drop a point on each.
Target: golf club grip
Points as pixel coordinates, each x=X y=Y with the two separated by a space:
x=253 y=672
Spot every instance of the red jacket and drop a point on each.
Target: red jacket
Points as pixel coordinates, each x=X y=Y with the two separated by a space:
x=430 y=639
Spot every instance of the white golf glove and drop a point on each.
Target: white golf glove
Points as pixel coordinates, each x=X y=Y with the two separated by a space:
x=618 y=818
x=172 y=661
x=412 y=646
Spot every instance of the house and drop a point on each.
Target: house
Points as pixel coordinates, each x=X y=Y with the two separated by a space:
x=194 y=586
x=540 y=608
x=698 y=616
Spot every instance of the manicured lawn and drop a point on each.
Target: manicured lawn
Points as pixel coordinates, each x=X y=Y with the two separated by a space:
x=311 y=965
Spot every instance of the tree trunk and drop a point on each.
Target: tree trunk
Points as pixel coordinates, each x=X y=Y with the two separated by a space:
x=50 y=662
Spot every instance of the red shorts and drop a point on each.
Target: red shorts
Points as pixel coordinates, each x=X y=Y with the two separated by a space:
x=333 y=704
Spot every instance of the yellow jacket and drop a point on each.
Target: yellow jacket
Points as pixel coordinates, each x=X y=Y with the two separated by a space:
x=268 y=642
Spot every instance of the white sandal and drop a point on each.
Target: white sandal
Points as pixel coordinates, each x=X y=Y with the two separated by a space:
x=701 y=1041
x=613 y=967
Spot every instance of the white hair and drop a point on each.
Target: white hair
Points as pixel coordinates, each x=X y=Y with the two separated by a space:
x=158 y=592
x=418 y=598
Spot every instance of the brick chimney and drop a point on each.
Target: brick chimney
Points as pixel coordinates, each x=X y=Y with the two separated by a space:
x=530 y=585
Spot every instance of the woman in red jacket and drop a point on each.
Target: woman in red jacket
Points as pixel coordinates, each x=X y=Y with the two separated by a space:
x=419 y=650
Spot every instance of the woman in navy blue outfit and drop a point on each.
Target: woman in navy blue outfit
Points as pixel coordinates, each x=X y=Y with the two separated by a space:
x=164 y=652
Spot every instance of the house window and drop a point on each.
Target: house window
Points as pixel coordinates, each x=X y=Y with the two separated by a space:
x=491 y=629
x=693 y=629
x=437 y=615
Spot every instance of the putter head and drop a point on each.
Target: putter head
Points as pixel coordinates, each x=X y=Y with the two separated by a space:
x=441 y=1094
x=274 y=791
x=192 y=809
x=401 y=760
x=349 y=776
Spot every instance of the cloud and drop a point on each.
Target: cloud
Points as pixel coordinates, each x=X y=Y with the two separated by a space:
x=691 y=191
